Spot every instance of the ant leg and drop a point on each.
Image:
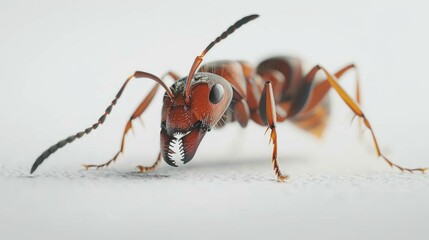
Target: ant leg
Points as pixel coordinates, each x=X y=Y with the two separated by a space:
x=309 y=97
x=143 y=169
x=268 y=112
x=310 y=108
x=322 y=88
x=72 y=138
x=137 y=113
x=332 y=80
x=143 y=105
x=242 y=113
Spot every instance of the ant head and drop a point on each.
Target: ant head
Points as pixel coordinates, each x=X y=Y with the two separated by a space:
x=185 y=122
x=195 y=104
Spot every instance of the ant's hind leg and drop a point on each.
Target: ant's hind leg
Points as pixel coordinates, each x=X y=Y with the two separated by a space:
x=332 y=80
x=321 y=89
x=137 y=114
x=312 y=107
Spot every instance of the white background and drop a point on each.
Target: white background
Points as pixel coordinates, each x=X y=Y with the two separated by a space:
x=61 y=63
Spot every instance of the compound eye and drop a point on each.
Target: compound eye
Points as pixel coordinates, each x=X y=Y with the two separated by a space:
x=216 y=93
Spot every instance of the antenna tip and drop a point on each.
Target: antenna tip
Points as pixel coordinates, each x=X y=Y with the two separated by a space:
x=250 y=17
x=245 y=20
x=253 y=16
x=33 y=169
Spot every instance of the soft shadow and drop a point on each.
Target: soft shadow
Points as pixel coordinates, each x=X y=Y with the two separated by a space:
x=203 y=165
x=255 y=161
x=88 y=174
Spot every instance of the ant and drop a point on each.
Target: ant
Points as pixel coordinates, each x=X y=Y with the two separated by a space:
x=234 y=91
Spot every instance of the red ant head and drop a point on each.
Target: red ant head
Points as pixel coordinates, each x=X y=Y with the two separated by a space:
x=196 y=104
x=185 y=121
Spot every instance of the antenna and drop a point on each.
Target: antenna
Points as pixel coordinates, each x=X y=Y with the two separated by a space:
x=199 y=58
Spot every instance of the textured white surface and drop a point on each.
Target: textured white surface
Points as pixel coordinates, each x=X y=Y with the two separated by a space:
x=60 y=64
x=332 y=194
x=212 y=201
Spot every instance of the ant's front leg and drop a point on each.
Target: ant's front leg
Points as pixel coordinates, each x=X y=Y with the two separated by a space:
x=267 y=110
x=143 y=169
x=137 y=114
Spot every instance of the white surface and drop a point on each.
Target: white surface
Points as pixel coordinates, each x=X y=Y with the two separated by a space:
x=61 y=64
x=222 y=199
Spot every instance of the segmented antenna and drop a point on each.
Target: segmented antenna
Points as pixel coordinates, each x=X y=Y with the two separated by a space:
x=101 y=120
x=225 y=34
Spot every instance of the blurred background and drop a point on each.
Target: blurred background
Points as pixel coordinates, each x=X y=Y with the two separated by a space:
x=62 y=62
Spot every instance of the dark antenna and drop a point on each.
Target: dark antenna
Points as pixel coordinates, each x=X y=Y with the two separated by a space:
x=199 y=58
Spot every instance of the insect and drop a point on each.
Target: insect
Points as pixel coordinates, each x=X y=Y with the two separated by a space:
x=223 y=92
